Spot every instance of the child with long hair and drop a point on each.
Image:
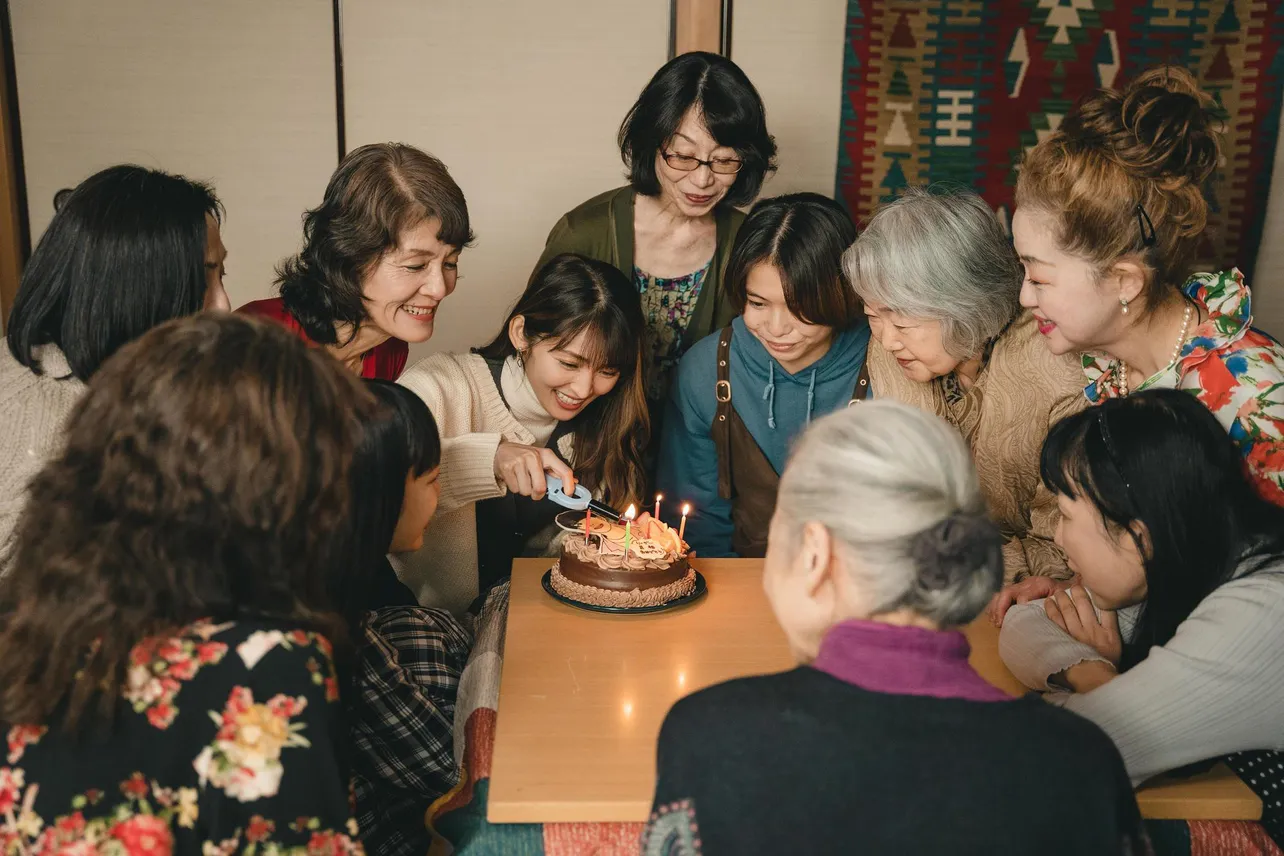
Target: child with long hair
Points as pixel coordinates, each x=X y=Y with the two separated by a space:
x=559 y=390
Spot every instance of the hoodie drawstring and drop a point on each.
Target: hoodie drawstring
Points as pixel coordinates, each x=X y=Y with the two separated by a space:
x=769 y=395
x=811 y=395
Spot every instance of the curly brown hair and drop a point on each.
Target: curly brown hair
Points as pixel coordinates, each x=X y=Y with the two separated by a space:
x=1154 y=144
x=205 y=475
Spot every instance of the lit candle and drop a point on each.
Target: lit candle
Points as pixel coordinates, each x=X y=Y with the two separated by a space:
x=628 y=526
x=588 y=521
x=658 y=497
x=682 y=527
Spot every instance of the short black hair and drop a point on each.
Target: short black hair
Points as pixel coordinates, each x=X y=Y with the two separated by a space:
x=124 y=253
x=804 y=236
x=1157 y=458
x=733 y=113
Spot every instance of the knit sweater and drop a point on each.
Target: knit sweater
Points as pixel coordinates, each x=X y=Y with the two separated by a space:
x=1004 y=417
x=472 y=418
x=33 y=410
x=888 y=744
x=1215 y=688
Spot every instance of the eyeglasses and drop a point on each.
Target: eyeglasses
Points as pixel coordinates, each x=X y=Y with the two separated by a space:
x=687 y=163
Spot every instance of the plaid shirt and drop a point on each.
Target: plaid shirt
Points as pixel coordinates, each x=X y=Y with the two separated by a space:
x=407 y=676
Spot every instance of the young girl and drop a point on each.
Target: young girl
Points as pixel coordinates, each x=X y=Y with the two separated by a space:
x=1184 y=562
x=401 y=705
x=1110 y=214
x=880 y=550
x=379 y=256
x=796 y=352
x=559 y=390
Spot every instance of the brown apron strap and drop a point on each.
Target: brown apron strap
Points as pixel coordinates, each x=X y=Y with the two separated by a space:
x=721 y=429
x=861 y=392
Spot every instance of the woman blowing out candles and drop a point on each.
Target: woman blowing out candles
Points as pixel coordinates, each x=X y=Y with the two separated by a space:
x=559 y=387
x=879 y=550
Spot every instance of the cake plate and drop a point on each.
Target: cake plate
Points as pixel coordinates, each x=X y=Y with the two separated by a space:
x=696 y=593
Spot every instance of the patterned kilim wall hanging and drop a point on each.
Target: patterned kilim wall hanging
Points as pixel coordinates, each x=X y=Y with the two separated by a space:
x=956 y=90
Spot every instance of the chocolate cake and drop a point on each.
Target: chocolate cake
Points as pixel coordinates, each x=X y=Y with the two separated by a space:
x=599 y=570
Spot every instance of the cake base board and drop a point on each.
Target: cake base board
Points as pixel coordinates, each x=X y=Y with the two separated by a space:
x=700 y=590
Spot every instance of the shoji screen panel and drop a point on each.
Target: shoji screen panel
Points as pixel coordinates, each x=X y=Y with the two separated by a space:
x=521 y=100
x=239 y=92
x=793 y=53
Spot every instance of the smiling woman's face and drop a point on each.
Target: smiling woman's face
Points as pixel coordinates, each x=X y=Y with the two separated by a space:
x=695 y=193
x=404 y=288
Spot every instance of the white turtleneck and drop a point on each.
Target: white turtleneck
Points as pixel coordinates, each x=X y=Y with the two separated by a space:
x=522 y=401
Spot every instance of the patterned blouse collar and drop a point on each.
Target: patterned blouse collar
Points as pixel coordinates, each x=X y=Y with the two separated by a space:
x=1226 y=300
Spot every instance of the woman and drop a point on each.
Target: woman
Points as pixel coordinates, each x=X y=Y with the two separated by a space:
x=940 y=284
x=880 y=549
x=379 y=256
x=401 y=710
x=696 y=146
x=1175 y=660
x=1110 y=215
x=130 y=248
x=743 y=395
x=168 y=682
x=558 y=390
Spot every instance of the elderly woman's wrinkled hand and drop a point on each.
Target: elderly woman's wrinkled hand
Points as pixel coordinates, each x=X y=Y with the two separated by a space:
x=1073 y=612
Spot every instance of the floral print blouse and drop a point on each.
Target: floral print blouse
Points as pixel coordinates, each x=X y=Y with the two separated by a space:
x=1236 y=370
x=667 y=307
x=226 y=741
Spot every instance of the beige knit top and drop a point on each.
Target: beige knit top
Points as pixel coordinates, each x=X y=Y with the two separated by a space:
x=1020 y=392
x=33 y=408
x=472 y=418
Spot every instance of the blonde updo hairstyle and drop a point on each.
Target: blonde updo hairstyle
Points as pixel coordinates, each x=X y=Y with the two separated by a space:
x=1154 y=144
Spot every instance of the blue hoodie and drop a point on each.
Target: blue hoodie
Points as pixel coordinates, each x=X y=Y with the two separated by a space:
x=774 y=405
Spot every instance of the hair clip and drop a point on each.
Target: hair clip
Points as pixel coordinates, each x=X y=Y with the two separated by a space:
x=1147 y=228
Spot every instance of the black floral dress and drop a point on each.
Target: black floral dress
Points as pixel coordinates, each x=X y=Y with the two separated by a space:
x=226 y=741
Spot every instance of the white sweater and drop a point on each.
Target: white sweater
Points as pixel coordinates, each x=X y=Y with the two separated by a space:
x=33 y=410
x=1215 y=688
x=472 y=418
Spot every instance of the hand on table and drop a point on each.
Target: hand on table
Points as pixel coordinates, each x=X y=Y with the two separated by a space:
x=522 y=468
x=1073 y=612
x=1030 y=588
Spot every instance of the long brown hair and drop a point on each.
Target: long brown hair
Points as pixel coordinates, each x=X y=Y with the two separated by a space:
x=1152 y=145
x=567 y=296
x=377 y=192
x=202 y=471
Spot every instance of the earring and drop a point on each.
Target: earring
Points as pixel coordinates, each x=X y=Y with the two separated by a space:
x=1123 y=301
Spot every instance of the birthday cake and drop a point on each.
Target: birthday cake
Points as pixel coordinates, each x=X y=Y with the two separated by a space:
x=642 y=564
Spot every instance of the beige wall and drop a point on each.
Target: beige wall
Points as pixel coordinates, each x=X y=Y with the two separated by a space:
x=793 y=53
x=1268 y=278
x=521 y=100
x=239 y=92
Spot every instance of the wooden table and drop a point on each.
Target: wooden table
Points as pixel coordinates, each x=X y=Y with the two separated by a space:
x=583 y=695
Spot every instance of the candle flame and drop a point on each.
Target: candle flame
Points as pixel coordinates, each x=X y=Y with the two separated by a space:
x=686 y=509
x=631 y=513
x=659 y=496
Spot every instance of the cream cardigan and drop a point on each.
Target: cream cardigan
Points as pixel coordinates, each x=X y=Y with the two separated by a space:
x=33 y=409
x=472 y=418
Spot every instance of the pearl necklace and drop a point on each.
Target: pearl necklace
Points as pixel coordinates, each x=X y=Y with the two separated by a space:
x=1181 y=340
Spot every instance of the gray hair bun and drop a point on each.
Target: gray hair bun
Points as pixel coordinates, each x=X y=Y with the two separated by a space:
x=956 y=549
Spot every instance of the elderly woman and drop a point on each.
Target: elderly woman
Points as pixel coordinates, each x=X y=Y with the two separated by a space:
x=696 y=145
x=887 y=713
x=380 y=254
x=941 y=286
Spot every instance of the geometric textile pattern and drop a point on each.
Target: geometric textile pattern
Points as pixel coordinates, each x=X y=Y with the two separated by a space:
x=956 y=90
